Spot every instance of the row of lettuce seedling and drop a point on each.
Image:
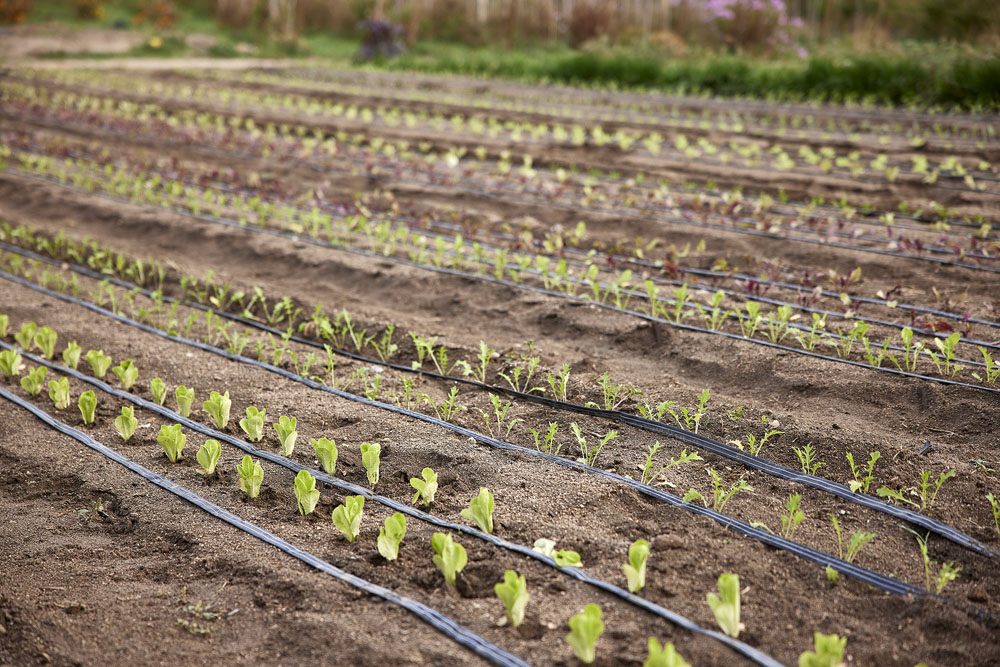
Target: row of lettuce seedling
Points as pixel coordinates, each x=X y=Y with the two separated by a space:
x=450 y=557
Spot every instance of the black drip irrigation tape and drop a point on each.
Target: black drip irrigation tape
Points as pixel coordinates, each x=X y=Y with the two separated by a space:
x=745 y=459
x=875 y=579
x=539 y=290
x=748 y=651
x=435 y=619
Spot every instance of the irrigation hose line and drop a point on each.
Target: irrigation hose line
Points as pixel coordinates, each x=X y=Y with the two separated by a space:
x=883 y=582
x=347 y=487
x=540 y=290
x=729 y=452
x=435 y=619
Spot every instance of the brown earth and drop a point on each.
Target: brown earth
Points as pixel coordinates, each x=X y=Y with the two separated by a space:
x=288 y=610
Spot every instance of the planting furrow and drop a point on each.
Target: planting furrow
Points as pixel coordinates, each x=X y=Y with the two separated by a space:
x=883 y=582
x=435 y=619
x=738 y=455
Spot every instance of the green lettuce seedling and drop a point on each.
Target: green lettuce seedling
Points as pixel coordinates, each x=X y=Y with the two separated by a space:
x=450 y=556
x=326 y=452
x=217 y=407
x=287 y=434
x=726 y=605
x=59 y=393
x=635 y=568
x=585 y=628
x=208 y=456
x=829 y=651
x=127 y=374
x=126 y=422
x=347 y=517
x=11 y=363
x=251 y=476
x=370 y=453
x=99 y=362
x=426 y=487
x=34 y=380
x=562 y=557
x=513 y=592
x=480 y=510
x=663 y=656
x=390 y=535
x=306 y=493
x=4 y=323
x=172 y=439
x=184 y=398
x=88 y=404
x=253 y=424
x=158 y=388
x=26 y=336
x=71 y=355
x=45 y=339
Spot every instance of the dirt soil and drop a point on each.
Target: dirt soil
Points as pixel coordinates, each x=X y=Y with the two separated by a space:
x=87 y=587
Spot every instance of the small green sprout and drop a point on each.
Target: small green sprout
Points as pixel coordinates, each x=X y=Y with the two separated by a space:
x=726 y=605
x=648 y=474
x=807 y=459
x=390 y=535
x=862 y=483
x=370 y=455
x=59 y=393
x=426 y=487
x=287 y=435
x=586 y=627
x=217 y=407
x=562 y=557
x=172 y=439
x=26 y=336
x=88 y=404
x=449 y=556
x=251 y=476
x=663 y=656
x=45 y=339
x=589 y=454
x=99 y=362
x=125 y=423
x=347 y=517
x=927 y=495
x=720 y=495
x=859 y=539
x=208 y=456
x=158 y=388
x=947 y=573
x=184 y=398
x=4 y=323
x=326 y=452
x=995 y=506
x=795 y=516
x=253 y=424
x=127 y=374
x=513 y=592
x=480 y=510
x=635 y=568
x=71 y=355
x=306 y=493
x=34 y=380
x=11 y=363
x=829 y=651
